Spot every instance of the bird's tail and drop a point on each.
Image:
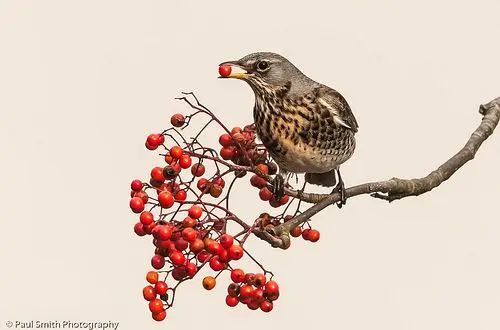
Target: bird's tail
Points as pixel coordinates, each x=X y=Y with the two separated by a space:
x=326 y=179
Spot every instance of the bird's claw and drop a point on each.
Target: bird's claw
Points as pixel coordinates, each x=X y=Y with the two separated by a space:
x=278 y=186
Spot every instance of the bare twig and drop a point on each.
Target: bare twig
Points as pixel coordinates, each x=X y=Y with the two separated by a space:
x=392 y=189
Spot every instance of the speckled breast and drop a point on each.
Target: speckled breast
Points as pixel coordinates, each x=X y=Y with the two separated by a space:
x=301 y=139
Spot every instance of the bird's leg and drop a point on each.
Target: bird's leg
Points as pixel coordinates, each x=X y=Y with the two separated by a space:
x=301 y=191
x=279 y=184
x=340 y=188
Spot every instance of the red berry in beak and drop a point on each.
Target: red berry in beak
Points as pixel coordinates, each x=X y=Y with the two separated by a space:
x=224 y=70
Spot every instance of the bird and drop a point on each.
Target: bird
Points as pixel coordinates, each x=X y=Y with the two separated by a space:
x=307 y=127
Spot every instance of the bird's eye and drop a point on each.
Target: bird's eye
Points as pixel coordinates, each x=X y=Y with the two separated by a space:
x=262 y=66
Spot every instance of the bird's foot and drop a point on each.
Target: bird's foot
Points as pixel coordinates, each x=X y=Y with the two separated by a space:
x=340 y=188
x=278 y=186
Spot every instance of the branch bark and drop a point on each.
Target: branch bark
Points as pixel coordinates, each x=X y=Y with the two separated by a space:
x=392 y=189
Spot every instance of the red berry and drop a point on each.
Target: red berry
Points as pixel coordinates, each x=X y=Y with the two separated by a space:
x=213 y=247
x=166 y=199
x=136 y=185
x=313 y=235
x=196 y=246
x=179 y=273
x=265 y=194
x=235 y=130
x=257 y=181
x=195 y=212
x=170 y=172
x=215 y=190
x=274 y=203
x=156 y=306
x=162 y=232
x=305 y=233
x=157 y=173
x=225 y=70
x=253 y=305
x=139 y=229
x=216 y=264
x=191 y=269
x=296 y=232
x=177 y=120
x=176 y=152
x=177 y=258
x=231 y=301
x=271 y=287
x=203 y=185
x=148 y=229
x=137 y=204
x=224 y=255
x=198 y=169
x=185 y=161
x=159 y=316
x=161 y=287
x=152 y=277
x=142 y=195
x=146 y=218
x=227 y=153
x=219 y=181
x=258 y=295
x=233 y=290
x=150 y=147
x=203 y=256
x=157 y=261
x=148 y=292
x=246 y=291
x=237 y=275
x=249 y=278
x=262 y=168
x=173 y=187
x=189 y=234
x=266 y=306
x=154 y=140
x=225 y=140
x=235 y=252
x=181 y=195
x=245 y=300
x=168 y=159
x=226 y=241
x=189 y=222
x=259 y=280
x=166 y=245
x=284 y=200
x=181 y=244
x=209 y=282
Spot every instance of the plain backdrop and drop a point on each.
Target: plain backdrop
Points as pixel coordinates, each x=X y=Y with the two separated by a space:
x=82 y=83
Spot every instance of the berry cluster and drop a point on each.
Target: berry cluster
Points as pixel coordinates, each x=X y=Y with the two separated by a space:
x=252 y=290
x=184 y=208
x=240 y=147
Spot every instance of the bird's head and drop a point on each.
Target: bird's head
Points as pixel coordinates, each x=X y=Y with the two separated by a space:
x=264 y=68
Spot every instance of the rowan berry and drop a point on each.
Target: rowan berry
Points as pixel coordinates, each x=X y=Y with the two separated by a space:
x=176 y=152
x=225 y=70
x=177 y=120
x=209 y=282
x=137 y=204
x=148 y=292
x=136 y=185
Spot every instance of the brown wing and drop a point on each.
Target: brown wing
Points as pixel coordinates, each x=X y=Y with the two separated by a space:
x=338 y=107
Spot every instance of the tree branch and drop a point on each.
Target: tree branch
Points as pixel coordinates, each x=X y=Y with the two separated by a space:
x=392 y=189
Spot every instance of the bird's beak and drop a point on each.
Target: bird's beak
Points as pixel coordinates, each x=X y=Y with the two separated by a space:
x=236 y=75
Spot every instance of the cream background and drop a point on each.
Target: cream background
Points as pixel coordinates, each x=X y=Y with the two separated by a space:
x=83 y=82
